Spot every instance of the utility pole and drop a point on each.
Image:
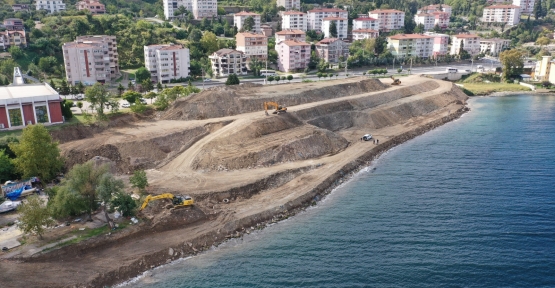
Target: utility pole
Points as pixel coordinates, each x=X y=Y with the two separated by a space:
x=266 y=76
x=472 y=66
x=202 y=69
x=410 y=69
x=393 y=63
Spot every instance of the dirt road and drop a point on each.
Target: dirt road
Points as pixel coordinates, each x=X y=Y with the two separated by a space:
x=242 y=167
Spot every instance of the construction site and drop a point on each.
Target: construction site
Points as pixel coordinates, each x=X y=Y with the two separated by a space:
x=247 y=154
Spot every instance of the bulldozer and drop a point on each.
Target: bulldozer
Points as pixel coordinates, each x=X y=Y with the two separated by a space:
x=395 y=81
x=279 y=108
x=177 y=201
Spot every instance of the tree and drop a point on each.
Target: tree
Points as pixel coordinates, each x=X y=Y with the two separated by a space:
x=16 y=52
x=34 y=216
x=150 y=95
x=120 y=89
x=289 y=77
x=142 y=74
x=419 y=29
x=323 y=65
x=255 y=65
x=333 y=30
x=36 y=153
x=47 y=64
x=195 y=35
x=232 y=79
x=130 y=86
x=80 y=105
x=80 y=87
x=542 y=41
x=131 y=96
x=249 y=24
x=138 y=107
x=161 y=102
x=512 y=63
x=6 y=167
x=538 y=9
x=159 y=87
x=66 y=109
x=270 y=79
x=139 y=180
x=99 y=97
x=209 y=43
x=314 y=60
x=277 y=78
x=53 y=85
x=107 y=187
x=147 y=85
x=64 y=88
x=399 y=71
x=319 y=75
x=124 y=203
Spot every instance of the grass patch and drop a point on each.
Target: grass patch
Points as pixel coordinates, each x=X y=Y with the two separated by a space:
x=81 y=236
x=488 y=88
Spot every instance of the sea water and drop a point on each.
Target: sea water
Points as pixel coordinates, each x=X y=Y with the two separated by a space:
x=470 y=204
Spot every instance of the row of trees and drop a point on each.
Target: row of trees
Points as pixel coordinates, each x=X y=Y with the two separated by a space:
x=278 y=78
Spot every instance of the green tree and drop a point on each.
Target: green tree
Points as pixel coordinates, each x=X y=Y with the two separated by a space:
x=538 y=9
x=131 y=96
x=80 y=88
x=399 y=70
x=542 y=41
x=64 y=88
x=16 y=52
x=99 y=97
x=138 y=107
x=319 y=75
x=80 y=105
x=108 y=186
x=142 y=74
x=314 y=60
x=419 y=29
x=255 y=65
x=289 y=77
x=66 y=109
x=7 y=169
x=512 y=62
x=249 y=24
x=283 y=78
x=270 y=79
x=232 y=79
x=333 y=30
x=147 y=85
x=277 y=78
x=151 y=95
x=161 y=102
x=47 y=64
x=120 y=89
x=36 y=153
x=139 y=180
x=34 y=215
x=209 y=43
x=323 y=65
x=124 y=203
x=53 y=85
x=159 y=87
x=195 y=35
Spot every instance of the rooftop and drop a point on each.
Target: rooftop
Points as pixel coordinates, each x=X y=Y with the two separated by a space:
x=365 y=31
x=334 y=18
x=378 y=11
x=326 y=10
x=245 y=13
x=294 y=43
x=290 y=32
x=501 y=7
x=409 y=36
x=17 y=92
x=172 y=47
x=292 y=12
x=466 y=36
x=252 y=35
x=365 y=19
x=226 y=51
x=328 y=41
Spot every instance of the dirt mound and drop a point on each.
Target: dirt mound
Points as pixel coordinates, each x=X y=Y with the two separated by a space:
x=161 y=215
x=228 y=101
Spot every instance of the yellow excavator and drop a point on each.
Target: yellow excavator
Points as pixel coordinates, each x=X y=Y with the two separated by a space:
x=395 y=81
x=279 y=108
x=177 y=201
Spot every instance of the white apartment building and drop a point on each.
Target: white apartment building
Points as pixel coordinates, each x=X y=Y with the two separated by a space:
x=253 y=45
x=297 y=35
x=91 y=59
x=315 y=17
x=508 y=14
x=228 y=61
x=470 y=43
x=493 y=46
x=359 y=34
x=526 y=6
x=289 y=4
x=294 y=20
x=239 y=20
x=340 y=23
x=366 y=23
x=406 y=45
x=50 y=5
x=435 y=8
x=389 y=19
x=441 y=41
x=166 y=62
x=332 y=49
x=430 y=20
x=170 y=6
x=205 y=8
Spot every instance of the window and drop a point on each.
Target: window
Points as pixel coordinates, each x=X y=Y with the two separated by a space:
x=41 y=114
x=15 y=117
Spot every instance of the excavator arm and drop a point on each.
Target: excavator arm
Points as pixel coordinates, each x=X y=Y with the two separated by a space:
x=176 y=201
x=275 y=105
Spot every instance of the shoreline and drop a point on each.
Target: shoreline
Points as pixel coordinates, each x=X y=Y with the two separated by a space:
x=236 y=229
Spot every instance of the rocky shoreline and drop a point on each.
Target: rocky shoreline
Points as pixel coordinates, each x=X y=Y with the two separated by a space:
x=237 y=228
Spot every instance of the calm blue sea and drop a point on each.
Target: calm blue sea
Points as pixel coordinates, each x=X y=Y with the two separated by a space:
x=470 y=204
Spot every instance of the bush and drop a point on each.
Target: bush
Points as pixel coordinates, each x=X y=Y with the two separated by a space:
x=124 y=203
x=232 y=79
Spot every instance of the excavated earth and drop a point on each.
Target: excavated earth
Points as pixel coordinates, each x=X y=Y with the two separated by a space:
x=243 y=168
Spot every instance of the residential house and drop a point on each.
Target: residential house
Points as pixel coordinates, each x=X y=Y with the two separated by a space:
x=441 y=41
x=228 y=61
x=14 y=24
x=289 y=4
x=359 y=34
x=494 y=46
x=51 y=6
x=253 y=45
x=293 y=55
x=526 y=6
x=332 y=49
x=297 y=35
x=10 y=38
x=366 y=23
x=93 y=6
x=435 y=8
x=166 y=62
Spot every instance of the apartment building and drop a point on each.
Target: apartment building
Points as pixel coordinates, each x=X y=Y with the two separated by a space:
x=296 y=35
x=267 y=30
x=10 y=38
x=430 y=20
x=331 y=49
x=166 y=62
x=51 y=6
x=470 y=42
x=494 y=46
x=289 y=4
x=170 y=6
x=389 y=19
x=20 y=7
x=526 y=6
x=239 y=20
x=294 y=20
x=253 y=45
x=341 y=25
x=543 y=69
x=359 y=34
x=508 y=14
x=205 y=8
x=366 y=23
x=435 y=8
x=228 y=61
x=315 y=17
x=14 y=24
x=441 y=41
x=91 y=59
x=293 y=55
x=406 y=45
x=94 y=6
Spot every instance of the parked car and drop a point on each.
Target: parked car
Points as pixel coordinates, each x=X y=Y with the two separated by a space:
x=125 y=105
x=207 y=80
x=142 y=100
x=367 y=137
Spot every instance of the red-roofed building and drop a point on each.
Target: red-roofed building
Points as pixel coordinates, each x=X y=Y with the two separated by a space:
x=331 y=49
x=430 y=20
x=341 y=25
x=406 y=45
x=293 y=55
x=93 y=6
x=389 y=19
x=508 y=14
x=469 y=42
x=296 y=35
x=315 y=17
x=359 y=34
x=294 y=20
x=366 y=23
x=435 y=8
x=526 y=6
x=253 y=45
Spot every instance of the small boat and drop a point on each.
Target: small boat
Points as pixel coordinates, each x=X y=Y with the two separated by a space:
x=8 y=206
